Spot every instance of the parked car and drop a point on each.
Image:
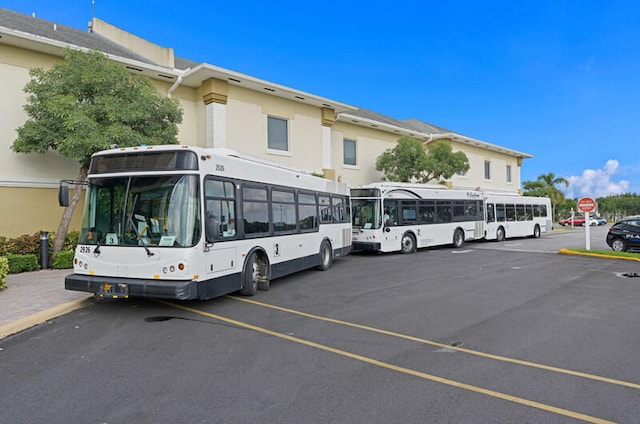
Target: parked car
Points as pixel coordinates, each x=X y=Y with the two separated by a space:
x=575 y=221
x=597 y=221
x=625 y=234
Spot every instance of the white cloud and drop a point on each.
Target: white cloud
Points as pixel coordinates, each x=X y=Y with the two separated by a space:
x=597 y=182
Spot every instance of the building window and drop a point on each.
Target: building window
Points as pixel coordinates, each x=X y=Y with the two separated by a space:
x=508 y=173
x=277 y=134
x=487 y=169
x=349 y=152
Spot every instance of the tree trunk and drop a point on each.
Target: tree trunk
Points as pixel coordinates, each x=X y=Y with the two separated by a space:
x=65 y=221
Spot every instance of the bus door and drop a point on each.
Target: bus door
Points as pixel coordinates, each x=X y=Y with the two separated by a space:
x=391 y=232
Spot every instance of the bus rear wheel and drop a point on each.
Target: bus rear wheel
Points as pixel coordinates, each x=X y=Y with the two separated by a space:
x=326 y=256
x=536 y=231
x=408 y=243
x=254 y=274
x=458 y=238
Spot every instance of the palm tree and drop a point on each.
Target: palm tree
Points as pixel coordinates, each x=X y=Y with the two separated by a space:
x=546 y=185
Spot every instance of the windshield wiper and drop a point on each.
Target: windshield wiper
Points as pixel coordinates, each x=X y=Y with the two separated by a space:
x=135 y=228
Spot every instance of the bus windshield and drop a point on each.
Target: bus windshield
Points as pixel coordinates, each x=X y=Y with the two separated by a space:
x=366 y=213
x=142 y=211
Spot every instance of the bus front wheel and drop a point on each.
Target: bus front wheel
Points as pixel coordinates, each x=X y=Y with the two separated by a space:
x=408 y=243
x=458 y=238
x=326 y=256
x=253 y=274
x=500 y=234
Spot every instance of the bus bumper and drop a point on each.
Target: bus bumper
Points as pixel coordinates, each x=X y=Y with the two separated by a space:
x=115 y=287
x=361 y=245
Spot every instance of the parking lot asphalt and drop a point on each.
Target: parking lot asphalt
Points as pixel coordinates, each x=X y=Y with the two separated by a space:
x=32 y=298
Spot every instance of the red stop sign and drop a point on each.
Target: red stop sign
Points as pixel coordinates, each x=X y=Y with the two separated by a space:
x=586 y=204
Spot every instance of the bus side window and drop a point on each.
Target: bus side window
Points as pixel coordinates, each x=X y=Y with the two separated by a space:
x=390 y=216
x=326 y=213
x=491 y=217
x=307 y=215
x=500 y=212
x=220 y=212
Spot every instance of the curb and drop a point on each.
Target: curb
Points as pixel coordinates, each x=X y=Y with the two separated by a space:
x=42 y=316
x=596 y=255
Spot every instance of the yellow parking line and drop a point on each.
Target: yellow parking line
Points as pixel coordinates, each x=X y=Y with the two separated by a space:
x=442 y=345
x=365 y=359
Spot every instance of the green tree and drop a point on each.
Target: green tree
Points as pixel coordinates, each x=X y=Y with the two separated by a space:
x=408 y=161
x=546 y=186
x=87 y=103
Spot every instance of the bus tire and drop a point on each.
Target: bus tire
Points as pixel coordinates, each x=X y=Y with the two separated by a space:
x=250 y=275
x=500 y=234
x=536 y=231
x=458 y=238
x=408 y=243
x=326 y=256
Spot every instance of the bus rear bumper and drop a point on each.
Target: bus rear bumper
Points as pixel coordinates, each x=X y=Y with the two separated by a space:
x=367 y=246
x=161 y=289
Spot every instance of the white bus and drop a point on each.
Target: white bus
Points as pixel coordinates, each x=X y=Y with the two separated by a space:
x=182 y=222
x=390 y=217
x=516 y=216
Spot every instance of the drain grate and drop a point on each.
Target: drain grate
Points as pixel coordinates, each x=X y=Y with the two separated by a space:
x=628 y=274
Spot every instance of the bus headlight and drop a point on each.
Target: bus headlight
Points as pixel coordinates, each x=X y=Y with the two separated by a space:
x=179 y=268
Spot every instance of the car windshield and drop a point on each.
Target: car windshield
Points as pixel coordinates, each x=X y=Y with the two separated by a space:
x=142 y=211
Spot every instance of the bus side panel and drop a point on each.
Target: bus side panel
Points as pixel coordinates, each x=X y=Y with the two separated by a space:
x=208 y=289
x=281 y=269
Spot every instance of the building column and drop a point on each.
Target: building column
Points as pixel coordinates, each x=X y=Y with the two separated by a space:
x=328 y=118
x=214 y=95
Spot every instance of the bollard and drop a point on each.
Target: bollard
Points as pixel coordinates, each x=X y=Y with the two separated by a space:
x=44 y=249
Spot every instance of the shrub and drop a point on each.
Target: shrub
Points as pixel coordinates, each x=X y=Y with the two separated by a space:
x=22 y=245
x=63 y=260
x=70 y=242
x=4 y=270
x=22 y=263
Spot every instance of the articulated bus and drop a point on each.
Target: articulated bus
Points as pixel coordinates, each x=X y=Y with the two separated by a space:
x=516 y=216
x=182 y=222
x=390 y=217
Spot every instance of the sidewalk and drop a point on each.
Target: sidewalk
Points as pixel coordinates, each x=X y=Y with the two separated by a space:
x=31 y=298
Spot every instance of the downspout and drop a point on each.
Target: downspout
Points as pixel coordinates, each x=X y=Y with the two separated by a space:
x=175 y=85
x=428 y=141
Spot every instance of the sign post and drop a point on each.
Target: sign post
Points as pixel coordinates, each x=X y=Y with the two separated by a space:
x=586 y=205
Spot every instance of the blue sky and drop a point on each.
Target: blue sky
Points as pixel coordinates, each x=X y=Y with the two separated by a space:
x=557 y=79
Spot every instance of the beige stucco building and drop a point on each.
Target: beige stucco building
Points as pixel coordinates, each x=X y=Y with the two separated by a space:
x=222 y=108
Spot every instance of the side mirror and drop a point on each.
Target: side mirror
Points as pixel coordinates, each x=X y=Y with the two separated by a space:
x=63 y=196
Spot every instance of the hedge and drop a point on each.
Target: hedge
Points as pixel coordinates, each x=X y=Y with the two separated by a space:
x=4 y=270
x=22 y=263
x=63 y=260
x=29 y=245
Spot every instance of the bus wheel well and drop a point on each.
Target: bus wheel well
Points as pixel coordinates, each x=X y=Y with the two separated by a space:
x=255 y=272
